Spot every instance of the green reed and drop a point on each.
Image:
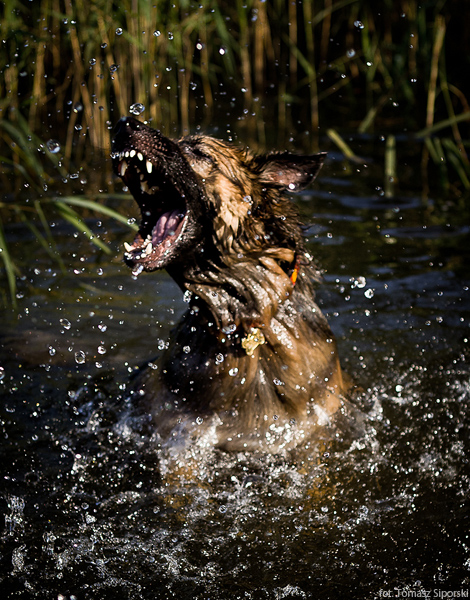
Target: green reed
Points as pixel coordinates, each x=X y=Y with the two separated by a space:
x=270 y=69
x=339 y=64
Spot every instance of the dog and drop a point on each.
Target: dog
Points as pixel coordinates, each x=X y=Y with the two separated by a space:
x=253 y=364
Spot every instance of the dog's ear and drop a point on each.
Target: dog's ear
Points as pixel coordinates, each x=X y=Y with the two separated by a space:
x=289 y=171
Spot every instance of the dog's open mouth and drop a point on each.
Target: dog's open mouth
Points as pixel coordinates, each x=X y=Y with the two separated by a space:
x=163 y=209
x=155 y=175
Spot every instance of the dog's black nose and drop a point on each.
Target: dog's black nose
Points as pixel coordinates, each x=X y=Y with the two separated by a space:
x=126 y=124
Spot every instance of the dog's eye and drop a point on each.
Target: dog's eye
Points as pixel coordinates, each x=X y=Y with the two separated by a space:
x=198 y=153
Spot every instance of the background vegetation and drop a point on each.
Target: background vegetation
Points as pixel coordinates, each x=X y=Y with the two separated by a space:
x=281 y=70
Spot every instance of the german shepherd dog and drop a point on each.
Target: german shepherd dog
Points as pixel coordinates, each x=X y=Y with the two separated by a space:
x=253 y=363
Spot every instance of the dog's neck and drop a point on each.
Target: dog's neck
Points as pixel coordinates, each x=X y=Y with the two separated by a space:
x=246 y=293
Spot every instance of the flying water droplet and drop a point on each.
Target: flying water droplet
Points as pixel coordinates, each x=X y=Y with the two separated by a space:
x=136 y=109
x=65 y=323
x=137 y=270
x=80 y=357
x=229 y=328
x=53 y=146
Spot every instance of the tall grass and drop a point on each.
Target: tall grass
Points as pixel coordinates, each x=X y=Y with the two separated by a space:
x=340 y=63
x=69 y=70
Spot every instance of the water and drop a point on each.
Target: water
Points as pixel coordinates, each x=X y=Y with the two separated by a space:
x=93 y=508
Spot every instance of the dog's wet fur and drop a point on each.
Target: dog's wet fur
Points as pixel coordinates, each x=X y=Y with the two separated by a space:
x=253 y=364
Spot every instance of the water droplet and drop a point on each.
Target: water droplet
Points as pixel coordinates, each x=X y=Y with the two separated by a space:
x=119 y=31
x=65 y=323
x=52 y=350
x=229 y=329
x=219 y=358
x=101 y=350
x=113 y=68
x=170 y=35
x=222 y=509
x=102 y=327
x=199 y=420
x=222 y=51
x=92 y=61
x=369 y=293
x=80 y=357
x=2 y=373
x=136 y=109
x=278 y=382
x=359 y=24
x=350 y=53
x=233 y=372
x=137 y=270
x=186 y=349
x=157 y=33
x=360 y=282
x=77 y=107
x=53 y=146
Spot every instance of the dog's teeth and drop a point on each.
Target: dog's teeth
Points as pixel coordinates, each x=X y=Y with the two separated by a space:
x=141 y=177
x=127 y=154
x=140 y=156
x=128 y=247
x=144 y=186
x=148 y=164
x=123 y=168
x=132 y=153
x=149 y=248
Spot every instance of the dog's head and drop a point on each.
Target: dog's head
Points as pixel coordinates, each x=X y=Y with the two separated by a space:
x=200 y=195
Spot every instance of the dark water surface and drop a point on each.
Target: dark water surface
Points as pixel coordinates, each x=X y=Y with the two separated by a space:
x=94 y=509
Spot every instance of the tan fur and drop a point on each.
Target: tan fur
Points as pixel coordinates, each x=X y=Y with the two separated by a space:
x=238 y=272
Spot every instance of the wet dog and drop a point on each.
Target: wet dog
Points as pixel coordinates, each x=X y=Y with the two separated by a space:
x=253 y=363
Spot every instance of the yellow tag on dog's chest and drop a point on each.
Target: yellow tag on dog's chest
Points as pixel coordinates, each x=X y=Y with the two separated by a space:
x=254 y=339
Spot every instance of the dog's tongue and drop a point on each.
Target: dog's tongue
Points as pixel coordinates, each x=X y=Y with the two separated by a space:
x=166 y=225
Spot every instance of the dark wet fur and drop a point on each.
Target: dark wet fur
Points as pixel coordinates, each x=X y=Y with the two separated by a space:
x=252 y=363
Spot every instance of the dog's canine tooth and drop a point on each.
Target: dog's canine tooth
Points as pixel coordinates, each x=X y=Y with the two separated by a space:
x=148 y=248
x=132 y=153
x=140 y=156
x=123 y=168
x=148 y=164
x=127 y=247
